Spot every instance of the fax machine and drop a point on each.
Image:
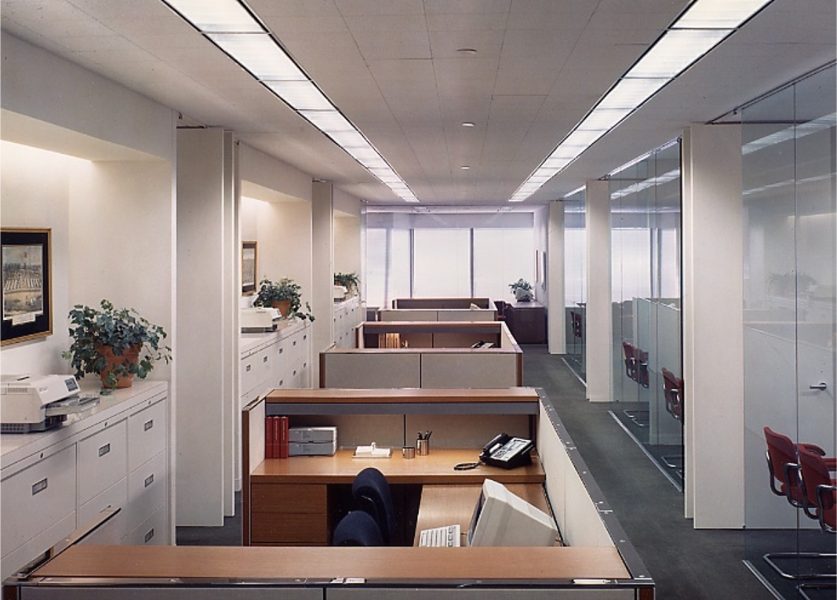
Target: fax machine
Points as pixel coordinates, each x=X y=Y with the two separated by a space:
x=40 y=402
x=258 y=319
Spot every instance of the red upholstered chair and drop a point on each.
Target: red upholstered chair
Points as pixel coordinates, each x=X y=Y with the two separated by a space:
x=820 y=488
x=630 y=361
x=577 y=324
x=784 y=470
x=673 y=392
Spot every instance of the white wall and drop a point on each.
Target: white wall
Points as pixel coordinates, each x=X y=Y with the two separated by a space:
x=346 y=244
x=555 y=280
x=273 y=174
x=28 y=199
x=599 y=317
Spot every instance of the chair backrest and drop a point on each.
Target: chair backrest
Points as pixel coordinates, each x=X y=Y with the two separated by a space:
x=815 y=474
x=357 y=529
x=673 y=392
x=371 y=492
x=781 y=452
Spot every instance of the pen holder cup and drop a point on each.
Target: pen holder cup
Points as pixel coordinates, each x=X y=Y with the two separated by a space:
x=408 y=452
x=422 y=447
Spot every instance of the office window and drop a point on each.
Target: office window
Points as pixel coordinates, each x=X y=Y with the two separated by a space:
x=376 y=267
x=399 y=265
x=502 y=256
x=442 y=264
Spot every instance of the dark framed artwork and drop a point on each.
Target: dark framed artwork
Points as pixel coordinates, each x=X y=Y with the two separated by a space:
x=27 y=287
x=249 y=256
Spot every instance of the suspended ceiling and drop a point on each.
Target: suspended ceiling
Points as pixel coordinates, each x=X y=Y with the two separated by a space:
x=393 y=67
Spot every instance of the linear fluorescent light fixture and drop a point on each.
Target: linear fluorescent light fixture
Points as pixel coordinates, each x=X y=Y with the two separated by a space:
x=238 y=32
x=698 y=29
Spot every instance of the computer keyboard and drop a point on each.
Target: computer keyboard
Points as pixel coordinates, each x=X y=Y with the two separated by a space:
x=447 y=536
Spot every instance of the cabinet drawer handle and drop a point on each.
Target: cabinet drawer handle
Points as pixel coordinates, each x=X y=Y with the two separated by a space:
x=248 y=368
x=264 y=359
x=39 y=486
x=149 y=480
x=148 y=425
x=294 y=371
x=281 y=350
x=305 y=337
x=294 y=342
x=281 y=382
x=104 y=450
x=149 y=535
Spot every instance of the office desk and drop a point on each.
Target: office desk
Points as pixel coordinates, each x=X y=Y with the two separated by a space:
x=292 y=500
x=451 y=504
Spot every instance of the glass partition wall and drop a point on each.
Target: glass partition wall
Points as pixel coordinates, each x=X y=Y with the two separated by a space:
x=646 y=283
x=575 y=281
x=788 y=154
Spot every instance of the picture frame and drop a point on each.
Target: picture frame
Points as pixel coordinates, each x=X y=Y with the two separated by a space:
x=26 y=302
x=249 y=267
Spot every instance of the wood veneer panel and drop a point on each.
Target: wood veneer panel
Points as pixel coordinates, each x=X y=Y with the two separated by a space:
x=399 y=396
x=278 y=528
x=281 y=498
x=373 y=564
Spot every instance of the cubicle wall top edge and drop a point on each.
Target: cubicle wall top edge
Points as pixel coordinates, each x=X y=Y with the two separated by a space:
x=634 y=563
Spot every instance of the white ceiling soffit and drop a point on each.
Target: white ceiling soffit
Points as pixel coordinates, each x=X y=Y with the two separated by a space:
x=393 y=68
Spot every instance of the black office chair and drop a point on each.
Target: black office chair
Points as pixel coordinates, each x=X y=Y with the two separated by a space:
x=372 y=495
x=357 y=529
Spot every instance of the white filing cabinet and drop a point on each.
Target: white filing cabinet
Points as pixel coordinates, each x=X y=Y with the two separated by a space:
x=117 y=456
x=348 y=314
x=280 y=359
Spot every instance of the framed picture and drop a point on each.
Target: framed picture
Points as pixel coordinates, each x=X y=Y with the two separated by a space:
x=249 y=254
x=27 y=286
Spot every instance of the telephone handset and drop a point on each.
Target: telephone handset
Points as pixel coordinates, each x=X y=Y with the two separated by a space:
x=507 y=452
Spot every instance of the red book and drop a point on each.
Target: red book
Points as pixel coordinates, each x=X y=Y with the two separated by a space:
x=283 y=437
x=277 y=432
x=268 y=437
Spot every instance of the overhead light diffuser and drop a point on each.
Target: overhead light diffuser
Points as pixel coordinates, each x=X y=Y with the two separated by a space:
x=260 y=55
x=602 y=119
x=719 y=14
x=301 y=95
x=330 y=121
x=630 y=93
x=676 y=50
x=216 y=16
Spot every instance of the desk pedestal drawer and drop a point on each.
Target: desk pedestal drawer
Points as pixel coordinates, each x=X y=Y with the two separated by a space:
x=290 y=528
x=281 y=498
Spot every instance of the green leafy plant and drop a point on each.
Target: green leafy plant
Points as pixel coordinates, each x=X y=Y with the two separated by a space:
x=350 y=281
x=119 y=332
x=273 y=292
x=522 y=290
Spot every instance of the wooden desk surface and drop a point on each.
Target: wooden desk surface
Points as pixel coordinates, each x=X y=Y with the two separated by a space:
x=402 y=395
x=450 y=504
x=434 y=468
x=372 y=564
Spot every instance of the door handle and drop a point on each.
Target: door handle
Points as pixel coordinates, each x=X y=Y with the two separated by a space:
x=821 y=386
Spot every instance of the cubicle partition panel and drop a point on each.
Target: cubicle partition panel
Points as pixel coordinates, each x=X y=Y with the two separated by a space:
x=438 y=355
x=437 y=314
x=432 y=303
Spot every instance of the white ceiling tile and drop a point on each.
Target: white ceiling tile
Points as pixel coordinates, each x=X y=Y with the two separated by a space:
x=549 y=48
x=376 y=45
x=293 y=8
x=549 y=14
x=281 y=25
x=515 y=77
x=376 y=7
x=445 y=44
x=465 y=22
x=472 y=7
x=387 y=23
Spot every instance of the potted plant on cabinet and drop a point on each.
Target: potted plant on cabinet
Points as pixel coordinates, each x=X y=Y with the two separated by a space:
x=350 y=281
x=522 y=290
x=114 y=343
x=284 y=295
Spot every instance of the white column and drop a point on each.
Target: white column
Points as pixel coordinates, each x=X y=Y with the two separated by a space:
x=713 y=357
x=231 y=287
x=202 y=402
x=557 y=334
x=599 y=314
x=322 y=304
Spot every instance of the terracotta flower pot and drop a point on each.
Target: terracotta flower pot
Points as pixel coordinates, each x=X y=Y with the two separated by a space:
x=284 y=306
x=129 y=356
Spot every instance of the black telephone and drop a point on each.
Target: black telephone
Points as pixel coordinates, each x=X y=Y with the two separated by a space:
x=507 y=452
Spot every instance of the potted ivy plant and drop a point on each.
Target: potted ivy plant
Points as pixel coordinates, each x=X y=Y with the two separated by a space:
x=285 y=295
x=350 y=281
x=522 y=290
x=115 y=343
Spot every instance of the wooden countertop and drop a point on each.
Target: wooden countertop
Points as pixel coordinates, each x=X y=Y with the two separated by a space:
x=402 y=395
x=372 y=564
x=436 y=468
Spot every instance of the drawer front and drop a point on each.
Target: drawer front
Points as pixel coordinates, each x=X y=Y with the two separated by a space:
x=281 y=528
x=266 y=365
x=147 y=489
x=151 y=532
x=114 y=497
x=249 y=373
x=146 y=434
x=277 y=497
x=38 y=497
x=102 y=460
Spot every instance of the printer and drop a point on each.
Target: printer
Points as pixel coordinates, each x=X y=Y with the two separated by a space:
x=258 y=319
x=40 y=402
